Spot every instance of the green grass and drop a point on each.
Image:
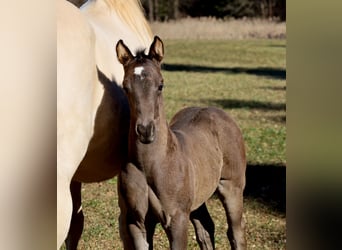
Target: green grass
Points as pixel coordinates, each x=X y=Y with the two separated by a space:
x=246 y=79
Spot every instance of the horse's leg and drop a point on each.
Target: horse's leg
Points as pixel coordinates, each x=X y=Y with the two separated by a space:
x=177 y=231
x=133 y=234
x=133 y=202
x=123 y=229
x=204 y=227
x=77 y=219
x=64 y=210
x=231 y=196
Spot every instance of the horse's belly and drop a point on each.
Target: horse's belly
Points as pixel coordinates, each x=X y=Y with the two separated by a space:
x=204 y=193
x=207 y=176
x=101 y=163
x=95 y=171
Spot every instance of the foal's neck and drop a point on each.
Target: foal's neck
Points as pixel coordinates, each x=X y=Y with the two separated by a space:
x=146 y=155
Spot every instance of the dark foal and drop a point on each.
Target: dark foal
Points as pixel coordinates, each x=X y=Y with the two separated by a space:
x=173 y=170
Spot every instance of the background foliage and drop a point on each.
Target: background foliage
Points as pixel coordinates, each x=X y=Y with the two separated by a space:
x=163 y=10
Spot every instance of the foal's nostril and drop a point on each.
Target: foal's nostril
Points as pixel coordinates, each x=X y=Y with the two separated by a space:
x=141 y=129
x=146 y=133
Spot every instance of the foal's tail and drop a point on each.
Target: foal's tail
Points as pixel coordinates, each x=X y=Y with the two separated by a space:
x=157 y=209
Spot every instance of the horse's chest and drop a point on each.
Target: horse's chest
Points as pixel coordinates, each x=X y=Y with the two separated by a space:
x=172 y=184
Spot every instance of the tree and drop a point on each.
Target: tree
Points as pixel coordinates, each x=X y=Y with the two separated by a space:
x=173 y=9
x=150 y=10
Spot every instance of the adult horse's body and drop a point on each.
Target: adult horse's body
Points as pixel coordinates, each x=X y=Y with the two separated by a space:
x=92 y=113
x=173 y=170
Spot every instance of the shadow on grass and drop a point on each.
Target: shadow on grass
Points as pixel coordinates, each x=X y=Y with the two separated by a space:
x=234 y=103
x=276 y=73
x=267 y=184
x=275 y=88
x=278 y=45
x=279 y=119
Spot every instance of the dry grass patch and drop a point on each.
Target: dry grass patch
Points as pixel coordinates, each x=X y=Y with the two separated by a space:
x=212 y=28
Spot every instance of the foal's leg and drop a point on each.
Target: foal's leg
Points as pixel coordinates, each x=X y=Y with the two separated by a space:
x=204 y=227
x=77 y=219
x=177 y=231
x=231 y=196
x=123 y=228
x=133 y=202
x=133 y=234
x=132 y=228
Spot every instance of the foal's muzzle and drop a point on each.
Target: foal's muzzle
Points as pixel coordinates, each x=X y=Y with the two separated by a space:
x=146 y=133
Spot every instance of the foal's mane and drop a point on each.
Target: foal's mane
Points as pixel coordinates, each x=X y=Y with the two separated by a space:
x=132 y=13
x=140 y=55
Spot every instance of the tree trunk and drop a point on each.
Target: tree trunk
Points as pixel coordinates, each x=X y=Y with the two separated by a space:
x=262 y=8
x=156 y=10
x=170 y=11
x=150 y=11
x=270 y=8
x=175 y=9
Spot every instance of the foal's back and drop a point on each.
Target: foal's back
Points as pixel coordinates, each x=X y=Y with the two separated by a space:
x=214 y=144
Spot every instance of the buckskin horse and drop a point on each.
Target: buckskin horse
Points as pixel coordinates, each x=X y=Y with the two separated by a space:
x=174 y=169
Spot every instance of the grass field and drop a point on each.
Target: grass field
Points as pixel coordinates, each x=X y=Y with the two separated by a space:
x=247 y=78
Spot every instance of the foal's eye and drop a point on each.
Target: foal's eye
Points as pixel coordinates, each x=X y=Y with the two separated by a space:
x=160 y=87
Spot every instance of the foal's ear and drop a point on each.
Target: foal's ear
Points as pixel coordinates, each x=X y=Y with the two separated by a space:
x=123 y=53
x=156 y=50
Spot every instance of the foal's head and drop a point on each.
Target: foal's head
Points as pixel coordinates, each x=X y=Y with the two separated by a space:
x=143 y=85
